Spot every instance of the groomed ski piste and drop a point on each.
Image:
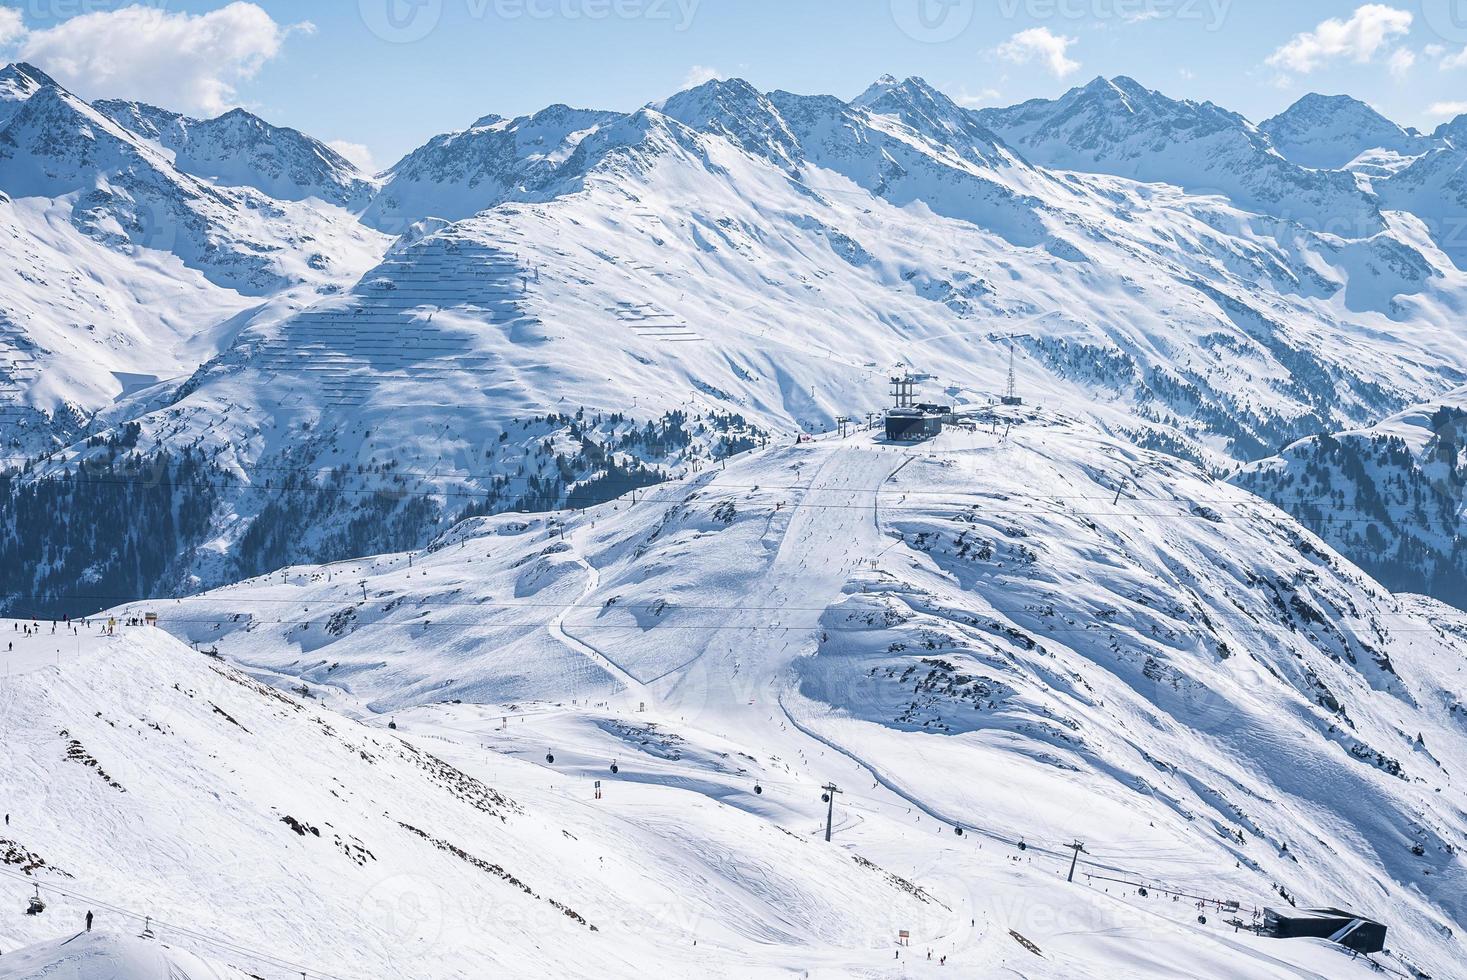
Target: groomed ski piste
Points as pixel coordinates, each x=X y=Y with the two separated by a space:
x=389 y=767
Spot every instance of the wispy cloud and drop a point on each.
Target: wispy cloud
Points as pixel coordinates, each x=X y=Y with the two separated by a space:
x=184 y=61
x=699 y=74
x=12 y=27
x=1040 y=44
x=1451 y=61
x=356 y=154
x=1447 y=110
x=1360 y=38
x=1400 y=62
x=977 y=100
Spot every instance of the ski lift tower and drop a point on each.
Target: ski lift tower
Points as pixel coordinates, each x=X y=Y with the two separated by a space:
x=1011 y=393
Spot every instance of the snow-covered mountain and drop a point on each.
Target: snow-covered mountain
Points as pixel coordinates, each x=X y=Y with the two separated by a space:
x=1117 y=126
x=1333 y=132
x=751 y=263
x=1434 y=188
x=457 y=175
x=973 y=634
x=1392 y=496
x=126 y=193
x=239 y=148
x=121 y=270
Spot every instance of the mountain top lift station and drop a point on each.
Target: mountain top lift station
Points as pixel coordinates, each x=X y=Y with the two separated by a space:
x=911 y=421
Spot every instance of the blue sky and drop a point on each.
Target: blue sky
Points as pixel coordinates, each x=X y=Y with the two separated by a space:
x=383 y=75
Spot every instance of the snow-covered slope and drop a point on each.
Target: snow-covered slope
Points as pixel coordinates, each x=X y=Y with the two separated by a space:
x=273 y=836
x=1392 y=496
x=120 y=270
x=1435 y=188
x=1330 y=132
x=239 y=148
x=1117 y=126
x=110 y=956
x=972 y=633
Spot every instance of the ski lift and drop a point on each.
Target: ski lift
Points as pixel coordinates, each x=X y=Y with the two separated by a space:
x=958 y=831
x=550 y=758
x=36 y=905
x=1023 y=846
x=824 y=797
x=615 y=768
x=758 y=790
x=1142 y=891
x=1202 y=920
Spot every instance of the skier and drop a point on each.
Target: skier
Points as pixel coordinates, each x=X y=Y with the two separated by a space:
x=89 y=920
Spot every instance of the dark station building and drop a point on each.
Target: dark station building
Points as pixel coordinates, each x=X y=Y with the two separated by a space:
x=914 y=423
x=910 y=421
x=1338 y=926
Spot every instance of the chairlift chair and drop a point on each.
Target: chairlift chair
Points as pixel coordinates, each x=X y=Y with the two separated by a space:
x=36 y=905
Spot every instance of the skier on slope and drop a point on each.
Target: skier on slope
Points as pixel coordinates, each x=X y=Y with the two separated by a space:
x=89 y=920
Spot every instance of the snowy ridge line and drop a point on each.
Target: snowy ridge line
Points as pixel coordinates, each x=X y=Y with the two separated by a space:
x=228 y=946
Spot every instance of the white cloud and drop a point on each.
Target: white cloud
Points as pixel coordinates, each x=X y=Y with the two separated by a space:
x=178 y=60
x=1369 y=29
x=12 y=28
x=1447 y=110
x=1400 y=61
x=979 y=99
x=355 y=153
x=1458 y=60
x=1042 y=45
x=698 y=74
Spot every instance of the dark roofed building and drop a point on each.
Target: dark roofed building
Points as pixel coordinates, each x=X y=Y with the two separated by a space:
x=914 y=424
x=1338 y=926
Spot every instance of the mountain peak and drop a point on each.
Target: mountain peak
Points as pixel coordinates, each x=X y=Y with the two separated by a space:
x=721 y=89
x=21 y=71
x=887 y=85
x=18 y=82
x=1327 y=132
